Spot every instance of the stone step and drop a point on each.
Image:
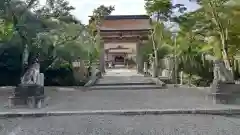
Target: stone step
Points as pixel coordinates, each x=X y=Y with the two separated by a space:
x=126 y=87
x=125 y=83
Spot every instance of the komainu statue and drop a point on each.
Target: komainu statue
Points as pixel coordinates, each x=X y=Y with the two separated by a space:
x=221 y=73
x=31 y=89
x=31 y=75
x=224 y=89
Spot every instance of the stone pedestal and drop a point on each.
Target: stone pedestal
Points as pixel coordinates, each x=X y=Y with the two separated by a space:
x=145 y=68
x=31 y=95
x=28 y=90
x=225 y=93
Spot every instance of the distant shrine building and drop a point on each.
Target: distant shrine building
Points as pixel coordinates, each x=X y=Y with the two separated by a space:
x=122 y=37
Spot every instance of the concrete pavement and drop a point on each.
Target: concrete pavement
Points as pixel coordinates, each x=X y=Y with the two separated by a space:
x=122 y=125
x=195 y=111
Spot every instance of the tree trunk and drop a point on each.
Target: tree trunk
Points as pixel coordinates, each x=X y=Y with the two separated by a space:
x=155 y=68
x=223 y=34
x=225 y=52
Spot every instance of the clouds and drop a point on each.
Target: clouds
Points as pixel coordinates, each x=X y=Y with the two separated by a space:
x=84 y=8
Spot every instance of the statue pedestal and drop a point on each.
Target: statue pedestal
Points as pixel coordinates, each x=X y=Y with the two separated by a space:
x=31 y=95
x=226 y=92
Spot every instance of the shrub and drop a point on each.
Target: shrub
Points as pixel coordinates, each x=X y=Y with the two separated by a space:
x=60 y=76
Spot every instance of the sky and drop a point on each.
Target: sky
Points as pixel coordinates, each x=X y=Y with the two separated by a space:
x=84 y=8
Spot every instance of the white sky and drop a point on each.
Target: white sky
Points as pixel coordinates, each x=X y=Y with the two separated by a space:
x=84 y=8
x=122 y=7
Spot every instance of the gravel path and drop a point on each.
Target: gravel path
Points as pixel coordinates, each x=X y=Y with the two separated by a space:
x=78 y=99
x=69 y=99
x=172 y=98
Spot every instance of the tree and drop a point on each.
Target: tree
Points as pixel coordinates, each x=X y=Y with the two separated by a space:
x=94 y=26
x=214 y=11
x=213 y=29
x=97 y=17
x=163 y=11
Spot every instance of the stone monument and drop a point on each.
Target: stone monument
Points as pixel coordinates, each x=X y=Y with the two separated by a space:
x=31 y=90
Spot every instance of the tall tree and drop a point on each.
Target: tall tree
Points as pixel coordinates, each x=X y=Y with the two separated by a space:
x=94 y=26
x=214 y=10
x=98 y=15
x=163 y=11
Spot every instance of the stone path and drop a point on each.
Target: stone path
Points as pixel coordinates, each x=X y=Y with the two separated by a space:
x=123 y=76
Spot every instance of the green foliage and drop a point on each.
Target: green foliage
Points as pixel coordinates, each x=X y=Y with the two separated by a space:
x=49 y=30
x=102 y=11
x=212 y=29
x=98 y=15
x=10 y=65
x=96 y=19
x=6 y=30
x=163 y=9
x=60 y=76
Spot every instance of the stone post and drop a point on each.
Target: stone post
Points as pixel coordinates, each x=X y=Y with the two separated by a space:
x=139 y=61
x=102 y=57
x=154 y=71
x=174 y=70
x=40 y=80
x=145 y=68
x=181 y=78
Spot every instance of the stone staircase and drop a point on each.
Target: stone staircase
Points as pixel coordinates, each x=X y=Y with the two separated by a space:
x=124 y=79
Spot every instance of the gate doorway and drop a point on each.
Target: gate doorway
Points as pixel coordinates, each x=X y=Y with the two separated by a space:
x=119 y=60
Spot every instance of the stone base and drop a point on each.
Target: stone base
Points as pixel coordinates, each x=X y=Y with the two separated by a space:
x=31 y=95
x=28 y=90
x=226 y=93
x=35 y=102
x=31 y=102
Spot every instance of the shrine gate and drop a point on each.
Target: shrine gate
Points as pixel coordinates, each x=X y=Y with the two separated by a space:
x=122 y=37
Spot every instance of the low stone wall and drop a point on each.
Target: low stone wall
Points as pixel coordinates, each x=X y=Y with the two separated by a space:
x=226 y=93
x=227 y=88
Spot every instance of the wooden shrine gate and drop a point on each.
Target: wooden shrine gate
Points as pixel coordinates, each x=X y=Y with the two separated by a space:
x=122 y=37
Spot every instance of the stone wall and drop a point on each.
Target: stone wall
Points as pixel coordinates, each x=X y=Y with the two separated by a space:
x=225 y=88
x=226 y=93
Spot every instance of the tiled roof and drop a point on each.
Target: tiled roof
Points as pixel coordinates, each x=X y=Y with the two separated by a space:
x=117 y=48
x=124 y=29
x=121 y=51
x=140 y=24
x=119 y=17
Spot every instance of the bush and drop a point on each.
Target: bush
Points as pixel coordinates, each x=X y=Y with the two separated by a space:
x=61 y=76
x=10 y=66
x=10 y=71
